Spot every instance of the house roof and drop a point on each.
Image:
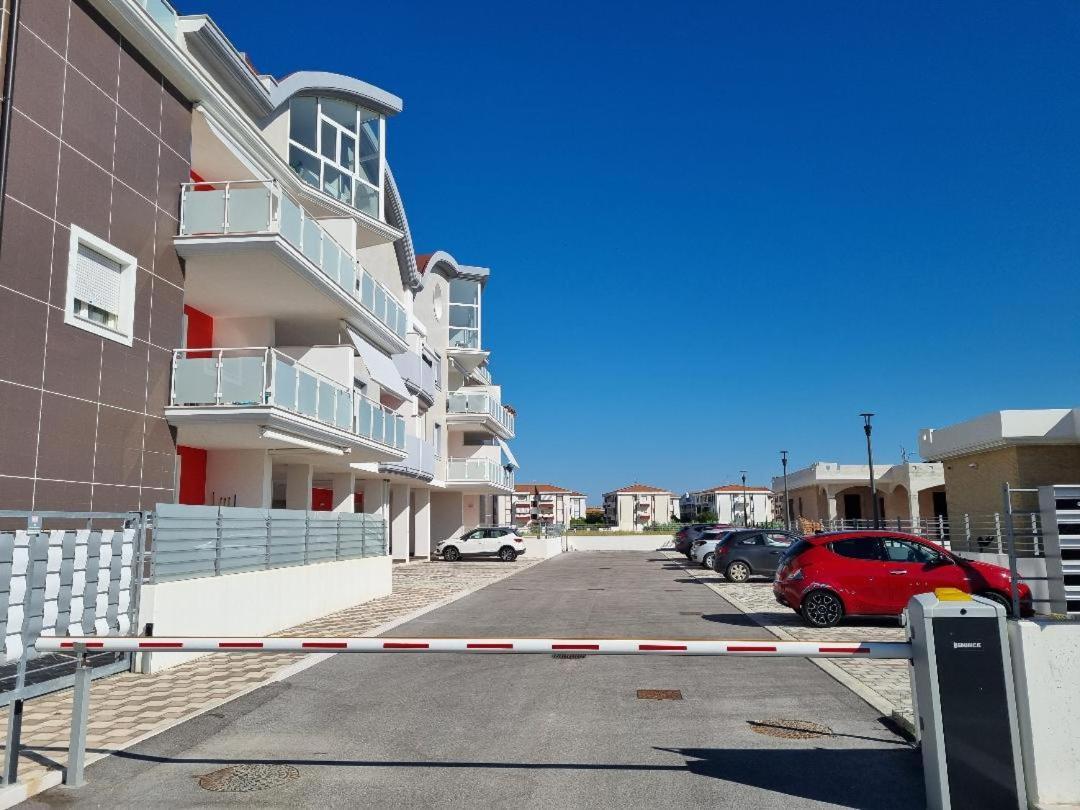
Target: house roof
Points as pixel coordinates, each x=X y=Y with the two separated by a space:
x=544 y=488
x=638 y=487
x=736 y=488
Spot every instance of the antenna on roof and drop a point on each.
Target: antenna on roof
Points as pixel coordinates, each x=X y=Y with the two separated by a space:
x=903 y=455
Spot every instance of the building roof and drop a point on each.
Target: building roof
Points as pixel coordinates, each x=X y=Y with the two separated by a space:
x=544 y=488
x=1001 y=429
x=642 y=488
x=735 y=488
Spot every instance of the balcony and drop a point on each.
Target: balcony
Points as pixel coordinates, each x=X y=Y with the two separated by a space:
x=478 y=475
x=419 y=461
x=420 y=377
x=482 y=374
x=252 y=251
x=261 y=398
x=480 y=410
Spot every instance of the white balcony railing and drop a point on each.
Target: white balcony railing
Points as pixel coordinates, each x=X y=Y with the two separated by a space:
x=236 y=378
x=480 y=403
x=420 y=460
x=162 y=12
x=417 y=373
x=480 y=471
x=482 y=374
x=251 y=207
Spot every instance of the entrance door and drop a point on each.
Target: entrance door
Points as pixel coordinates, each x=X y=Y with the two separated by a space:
x=853 y=506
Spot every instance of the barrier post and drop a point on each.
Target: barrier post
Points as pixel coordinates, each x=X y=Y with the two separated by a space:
x=14 y=742
x=80 y=709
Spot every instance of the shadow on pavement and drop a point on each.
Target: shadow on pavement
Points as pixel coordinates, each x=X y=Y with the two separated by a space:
x=734 y=619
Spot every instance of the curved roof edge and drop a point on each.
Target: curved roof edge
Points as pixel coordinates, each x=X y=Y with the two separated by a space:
x=442 y=261
x=411 y=275
x=335 y=84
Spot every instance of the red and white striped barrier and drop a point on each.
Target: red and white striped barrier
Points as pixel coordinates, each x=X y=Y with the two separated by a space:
x=603 y=646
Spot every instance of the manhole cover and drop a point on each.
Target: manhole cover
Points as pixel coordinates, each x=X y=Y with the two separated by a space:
x=659 y=694
x=789 y=729
x=570 y=656
x=248 y=777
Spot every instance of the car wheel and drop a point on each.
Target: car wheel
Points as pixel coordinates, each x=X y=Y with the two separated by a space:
x=707 y=562
x=507 y=554
x=822 y=608
x=451 y=554
x=738 y=571
x=1004 y=601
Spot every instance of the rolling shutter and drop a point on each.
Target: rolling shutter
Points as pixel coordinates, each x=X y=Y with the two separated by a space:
x=96 y=280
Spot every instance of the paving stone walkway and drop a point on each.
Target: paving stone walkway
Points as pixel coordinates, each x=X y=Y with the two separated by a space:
x=882 y=683
x=129 y=707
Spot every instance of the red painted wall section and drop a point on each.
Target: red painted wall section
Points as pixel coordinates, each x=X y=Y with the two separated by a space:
x=322 y=500
x=192 y=475
x=200 y=329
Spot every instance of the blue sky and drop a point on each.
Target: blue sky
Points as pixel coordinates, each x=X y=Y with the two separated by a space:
x=721 y=229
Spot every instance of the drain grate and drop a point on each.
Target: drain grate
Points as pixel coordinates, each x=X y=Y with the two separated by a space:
x=603 y=569
x=248 y=777
x=659 y=694
x=597 y=589
x=568 y=656
x=787 y=729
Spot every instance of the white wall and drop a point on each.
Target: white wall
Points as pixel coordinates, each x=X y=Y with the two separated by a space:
x=243 y=473
x=543 y=547
x=1046 y=666
x=257 y=603
x=619 y=542
x=243 y=332
x=335 y=362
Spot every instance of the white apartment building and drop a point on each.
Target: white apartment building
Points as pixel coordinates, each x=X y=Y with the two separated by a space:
x=731 y=503
x=555 y=505
x=634 y=507
x=323 y=364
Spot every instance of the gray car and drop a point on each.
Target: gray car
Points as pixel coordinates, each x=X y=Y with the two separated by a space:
x=742 y=554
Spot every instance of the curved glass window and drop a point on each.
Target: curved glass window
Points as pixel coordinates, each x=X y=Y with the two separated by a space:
x=337 y=147
x=464 y=313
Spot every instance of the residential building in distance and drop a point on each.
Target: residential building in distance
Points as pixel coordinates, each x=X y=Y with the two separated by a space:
x=731 y=503
x=1025 y=448
x=556 y=505
x=634 y=507
x=216 y=294
x=827 y=491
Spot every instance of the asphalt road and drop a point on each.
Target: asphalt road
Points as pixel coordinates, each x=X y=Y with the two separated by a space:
x=530 y=731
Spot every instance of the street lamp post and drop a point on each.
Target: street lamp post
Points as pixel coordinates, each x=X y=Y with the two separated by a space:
x=868 y=429
x=787 y=509
x=745 y=513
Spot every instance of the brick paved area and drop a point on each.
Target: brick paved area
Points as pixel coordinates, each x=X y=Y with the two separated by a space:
x=129 y=707
x=883 y=684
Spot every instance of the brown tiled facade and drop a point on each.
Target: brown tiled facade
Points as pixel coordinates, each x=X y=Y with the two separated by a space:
x=101 y=141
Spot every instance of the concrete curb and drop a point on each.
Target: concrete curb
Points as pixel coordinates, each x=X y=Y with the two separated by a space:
x=876 y=701
x=11 y=795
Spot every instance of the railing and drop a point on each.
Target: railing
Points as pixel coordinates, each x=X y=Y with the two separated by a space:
x=205 y=541
x=162 y=12
x=482 y=374
x=260 y=206
x=480 y=403
x=973 y=533
x=479 y=470
x=261 y=376
x=416 y=372
x=420 y=460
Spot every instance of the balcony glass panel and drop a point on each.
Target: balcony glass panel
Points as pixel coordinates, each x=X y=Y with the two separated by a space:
x=367 y=292
x=380 y=303
x=365 y=418
x=292 y=222
x=313 y=241
x=284 y=385
x=163 y=14
x=242 y=380
x=465 y=338
x=195 y=381
x=308 y=392
x=366 y=199
x=327 y=404
x=378 y=431
x=204 y=212
x=249 y=209
x=467 y=317
x=343 y=412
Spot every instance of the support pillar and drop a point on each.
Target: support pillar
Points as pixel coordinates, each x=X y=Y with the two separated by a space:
x=376 y=492
x=344 y=485
x=400 y=511
x=298 y=486
x=421 y=520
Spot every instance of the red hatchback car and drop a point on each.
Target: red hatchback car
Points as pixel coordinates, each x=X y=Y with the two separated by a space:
x=825 y=577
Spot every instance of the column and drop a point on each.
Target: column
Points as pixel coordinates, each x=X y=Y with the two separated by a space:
x=400 y=511
x=421 y=518
x=830 y=504
x=376 y=491
x=298 y=486
x=344 y=485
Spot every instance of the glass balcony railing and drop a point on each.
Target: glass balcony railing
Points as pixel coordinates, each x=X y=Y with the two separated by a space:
x=162 y=12
x=419 y=461
x=461 y=402
x=480 y=471
x=238 y=378
x=418 y=373
x=259 y=207
x=482 y=374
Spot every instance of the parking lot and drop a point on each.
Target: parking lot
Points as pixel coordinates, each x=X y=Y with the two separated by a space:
x=513 y=731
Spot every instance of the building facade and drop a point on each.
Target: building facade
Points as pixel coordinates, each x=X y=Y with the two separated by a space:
x=1024 y=448
x=731 y=503
x=827 y=491
x=632 y=508
x=209 y=292
x=555 y=505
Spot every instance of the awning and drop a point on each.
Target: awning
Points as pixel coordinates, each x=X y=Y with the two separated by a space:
x=379 y=366
x=510 y=460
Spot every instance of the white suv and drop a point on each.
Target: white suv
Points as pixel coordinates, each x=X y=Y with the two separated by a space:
x=490 y=541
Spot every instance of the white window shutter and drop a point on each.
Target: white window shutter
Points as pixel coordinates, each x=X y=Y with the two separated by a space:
x=97 y=280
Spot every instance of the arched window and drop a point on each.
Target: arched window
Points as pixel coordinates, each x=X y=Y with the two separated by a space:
x=337 y=147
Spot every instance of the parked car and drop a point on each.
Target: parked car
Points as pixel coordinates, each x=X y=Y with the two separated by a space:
x=489 y=541
x=702 y=550
x=826 y=577
x=685 y=537
x=750 y=552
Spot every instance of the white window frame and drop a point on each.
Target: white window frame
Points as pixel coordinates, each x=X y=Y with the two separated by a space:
x=124 y=331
